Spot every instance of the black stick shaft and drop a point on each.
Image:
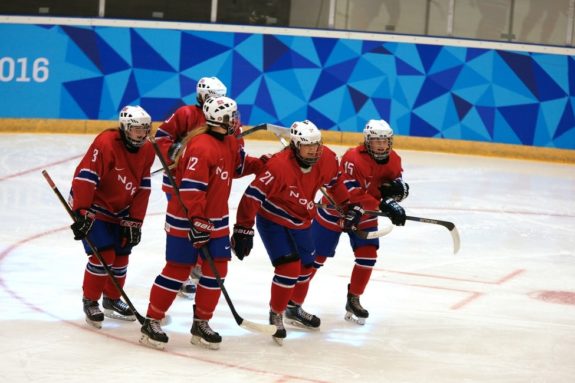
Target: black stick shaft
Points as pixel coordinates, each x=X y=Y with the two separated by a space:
x=93 y=248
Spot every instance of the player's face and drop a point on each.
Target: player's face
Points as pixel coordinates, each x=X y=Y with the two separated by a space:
x=380 y=145
x=310 y=152
x=138 y=133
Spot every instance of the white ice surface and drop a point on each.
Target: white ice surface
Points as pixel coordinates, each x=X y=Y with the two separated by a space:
x=434 y=316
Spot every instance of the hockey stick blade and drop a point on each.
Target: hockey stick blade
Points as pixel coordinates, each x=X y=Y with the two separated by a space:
x=448 y=225
x=260 y=328
x=279 y=131
x=373 y=234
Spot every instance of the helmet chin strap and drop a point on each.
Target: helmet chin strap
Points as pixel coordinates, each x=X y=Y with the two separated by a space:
x=129 y=146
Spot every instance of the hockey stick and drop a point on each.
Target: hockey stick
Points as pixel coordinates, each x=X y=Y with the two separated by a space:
x=448 y=225
x=279 y=131
x=140 y=318
x=248 y=325
x=360 y=233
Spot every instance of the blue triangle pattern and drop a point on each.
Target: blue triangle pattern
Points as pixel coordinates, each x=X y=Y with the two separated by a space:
x=187 y=85
x=131 y=92
x=325 y=84
x=157 y=107
x=274 y=51
x=462 y=107
x=567 y=121
x=429 y=91
x=343 y=70
x=487 y=115
x=428 y=54
x=324 y=47
x=244 y=74
x=447 y=78
x=87 y=40
x=472 y=53
x=374 y=47
x=522 y=66
x=404 y=69
x=424 y=90
x=357 y=98
x=319 y=119
x=89 y=102
x=421 y=128
x=548 y=88
x=265 y=101
x=144 y=56
x=196 y=50
x=571 y=76
x=522 y=119
x=383 y=107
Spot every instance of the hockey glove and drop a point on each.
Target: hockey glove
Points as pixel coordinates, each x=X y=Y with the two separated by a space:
x=242 y=241
x=352 y=217
x=174 y=150
x=396 y=189
x=200 y=232
x=130 y=232
x=82 y=223
x=395 y=212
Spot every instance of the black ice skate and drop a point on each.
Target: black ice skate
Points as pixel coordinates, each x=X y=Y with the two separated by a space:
x=355 y=312
x=297 y=316
x=117 y=309
x=94 y=317
x=203 y=335
x=277 y=320
x=153 y=335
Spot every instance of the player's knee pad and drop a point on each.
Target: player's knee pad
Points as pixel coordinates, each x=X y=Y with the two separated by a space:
x=365 y=256
x=286 y=259
x=288 y=270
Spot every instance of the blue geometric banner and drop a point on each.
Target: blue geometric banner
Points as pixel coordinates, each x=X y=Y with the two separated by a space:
x=90 y=72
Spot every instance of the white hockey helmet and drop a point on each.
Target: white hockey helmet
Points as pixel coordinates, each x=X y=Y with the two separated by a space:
x=305 y=133
x=136 y=125
x=378 y=139
x=209 y=87
x=222 y=112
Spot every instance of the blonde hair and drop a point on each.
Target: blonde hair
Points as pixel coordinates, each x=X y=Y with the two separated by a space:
x=193 y=133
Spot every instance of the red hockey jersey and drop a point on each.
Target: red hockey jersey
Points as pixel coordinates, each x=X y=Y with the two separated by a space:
x=204 y=176
x=362 y=177
x=284 y=193
x=112 y=181
x=174 y=129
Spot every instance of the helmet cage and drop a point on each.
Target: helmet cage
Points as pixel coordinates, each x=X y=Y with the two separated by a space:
x=305 y=133
x=222 y=112
x=134 y=118
x=378 y=130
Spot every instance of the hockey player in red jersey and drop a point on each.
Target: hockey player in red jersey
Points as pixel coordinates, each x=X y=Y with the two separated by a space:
x=109 y=197
x=280 y=201
x=169 y=137
x=372 y=173
x=211 y=157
